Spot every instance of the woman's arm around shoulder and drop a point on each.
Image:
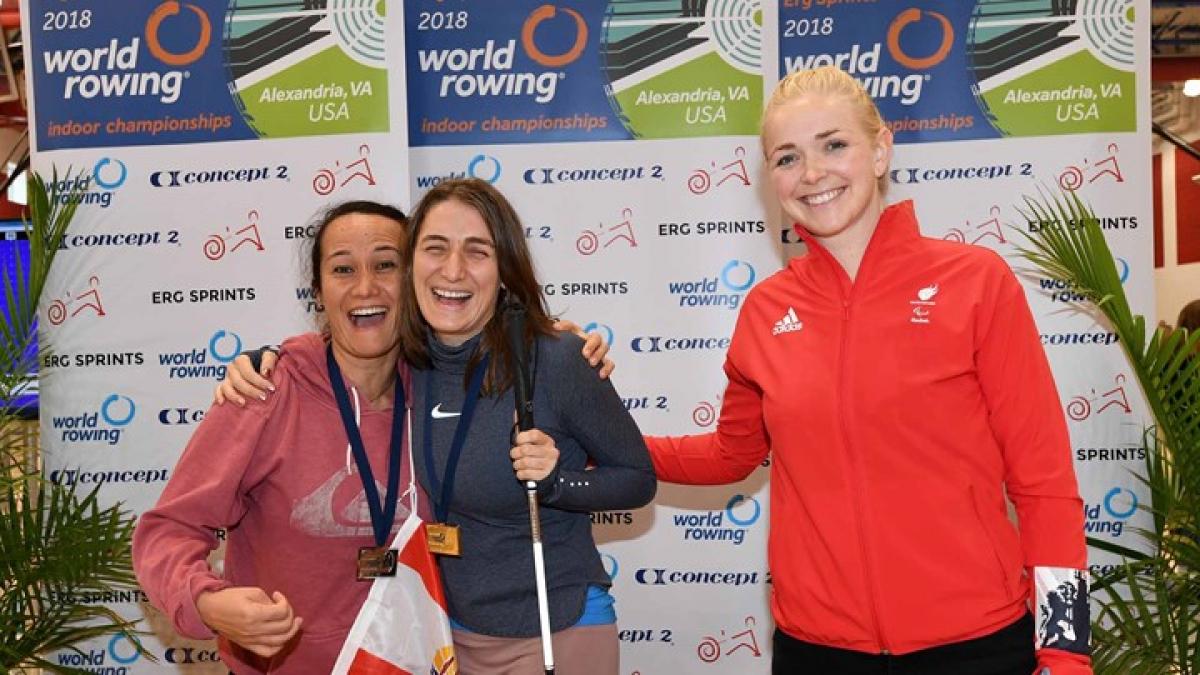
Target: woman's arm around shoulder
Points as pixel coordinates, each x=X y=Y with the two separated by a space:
x=727 y=455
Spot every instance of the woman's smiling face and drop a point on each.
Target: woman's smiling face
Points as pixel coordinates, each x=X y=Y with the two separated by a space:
x=360 y=276
x=824 y=165
x=455 y=273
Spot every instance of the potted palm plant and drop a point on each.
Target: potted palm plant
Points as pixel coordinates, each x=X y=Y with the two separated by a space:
x=1149 y=618
x=55 y=543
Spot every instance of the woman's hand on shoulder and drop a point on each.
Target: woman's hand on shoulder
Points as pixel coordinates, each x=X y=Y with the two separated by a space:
x=241 y=380
x=534 y=455
x=248 y=616
x=595 y=349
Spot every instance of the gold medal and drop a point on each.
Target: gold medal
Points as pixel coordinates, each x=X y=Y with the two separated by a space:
x=374 y=562
x=443 y=539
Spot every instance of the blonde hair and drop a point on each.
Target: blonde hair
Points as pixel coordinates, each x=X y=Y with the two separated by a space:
x=829 y=81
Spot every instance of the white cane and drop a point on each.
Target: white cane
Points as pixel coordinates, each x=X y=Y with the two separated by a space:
x=521 y=394
x=539 y=570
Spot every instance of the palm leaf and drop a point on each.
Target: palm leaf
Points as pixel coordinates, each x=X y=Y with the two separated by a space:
x=56 y=545
x=1148 y=624
x=51 y=211
x=1149 y=620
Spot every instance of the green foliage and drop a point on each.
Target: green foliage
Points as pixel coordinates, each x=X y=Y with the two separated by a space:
x=49 y=220
x=1150 y=608
x=56 y=545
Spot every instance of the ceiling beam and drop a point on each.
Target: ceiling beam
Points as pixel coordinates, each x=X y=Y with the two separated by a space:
x=1174 y=68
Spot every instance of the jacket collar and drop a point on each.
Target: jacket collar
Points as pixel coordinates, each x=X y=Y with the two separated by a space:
x=897 y=225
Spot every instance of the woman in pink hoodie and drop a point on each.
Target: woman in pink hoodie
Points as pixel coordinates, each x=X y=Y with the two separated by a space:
x=280 y=477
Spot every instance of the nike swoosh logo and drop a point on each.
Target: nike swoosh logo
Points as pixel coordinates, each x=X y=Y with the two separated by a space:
x=439 y=415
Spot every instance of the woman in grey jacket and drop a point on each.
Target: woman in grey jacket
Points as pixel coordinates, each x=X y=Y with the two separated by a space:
x=468 y=256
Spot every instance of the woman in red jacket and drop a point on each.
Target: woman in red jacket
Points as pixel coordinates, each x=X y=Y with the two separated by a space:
x=899 y=384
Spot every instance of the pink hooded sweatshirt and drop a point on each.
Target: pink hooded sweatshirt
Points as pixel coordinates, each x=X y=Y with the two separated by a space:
x=280 y=477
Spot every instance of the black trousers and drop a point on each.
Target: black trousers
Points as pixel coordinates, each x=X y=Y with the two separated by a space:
x=1008 y=651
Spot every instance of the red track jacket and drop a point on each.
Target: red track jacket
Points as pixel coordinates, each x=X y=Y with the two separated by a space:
x=898 y=409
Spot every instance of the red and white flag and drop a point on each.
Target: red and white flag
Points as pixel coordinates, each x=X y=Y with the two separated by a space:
x=402 y=628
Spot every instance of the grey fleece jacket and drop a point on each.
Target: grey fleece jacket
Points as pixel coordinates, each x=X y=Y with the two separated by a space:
x=490 y=588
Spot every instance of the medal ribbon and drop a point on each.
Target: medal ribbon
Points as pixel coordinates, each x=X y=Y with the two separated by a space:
x=382 y=515
x=444 y=492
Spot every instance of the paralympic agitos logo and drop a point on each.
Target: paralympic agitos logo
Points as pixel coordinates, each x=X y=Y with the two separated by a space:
x=176 y=34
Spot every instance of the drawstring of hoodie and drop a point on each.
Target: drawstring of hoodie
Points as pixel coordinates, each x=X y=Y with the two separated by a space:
x=357 y=423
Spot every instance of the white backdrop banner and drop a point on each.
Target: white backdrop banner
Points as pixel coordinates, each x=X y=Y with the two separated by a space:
x=207 y=133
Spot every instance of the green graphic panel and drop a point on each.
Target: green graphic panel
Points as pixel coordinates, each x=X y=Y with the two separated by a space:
x=702 y=97
x=327 y=94
x=1096 y=98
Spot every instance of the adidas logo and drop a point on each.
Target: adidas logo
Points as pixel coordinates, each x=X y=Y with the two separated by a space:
x=789 y=323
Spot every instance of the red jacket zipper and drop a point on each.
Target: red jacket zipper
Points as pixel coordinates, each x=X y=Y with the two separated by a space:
x=845 y=406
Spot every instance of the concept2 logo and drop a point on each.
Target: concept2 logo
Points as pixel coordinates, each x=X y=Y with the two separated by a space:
x=112 y=71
